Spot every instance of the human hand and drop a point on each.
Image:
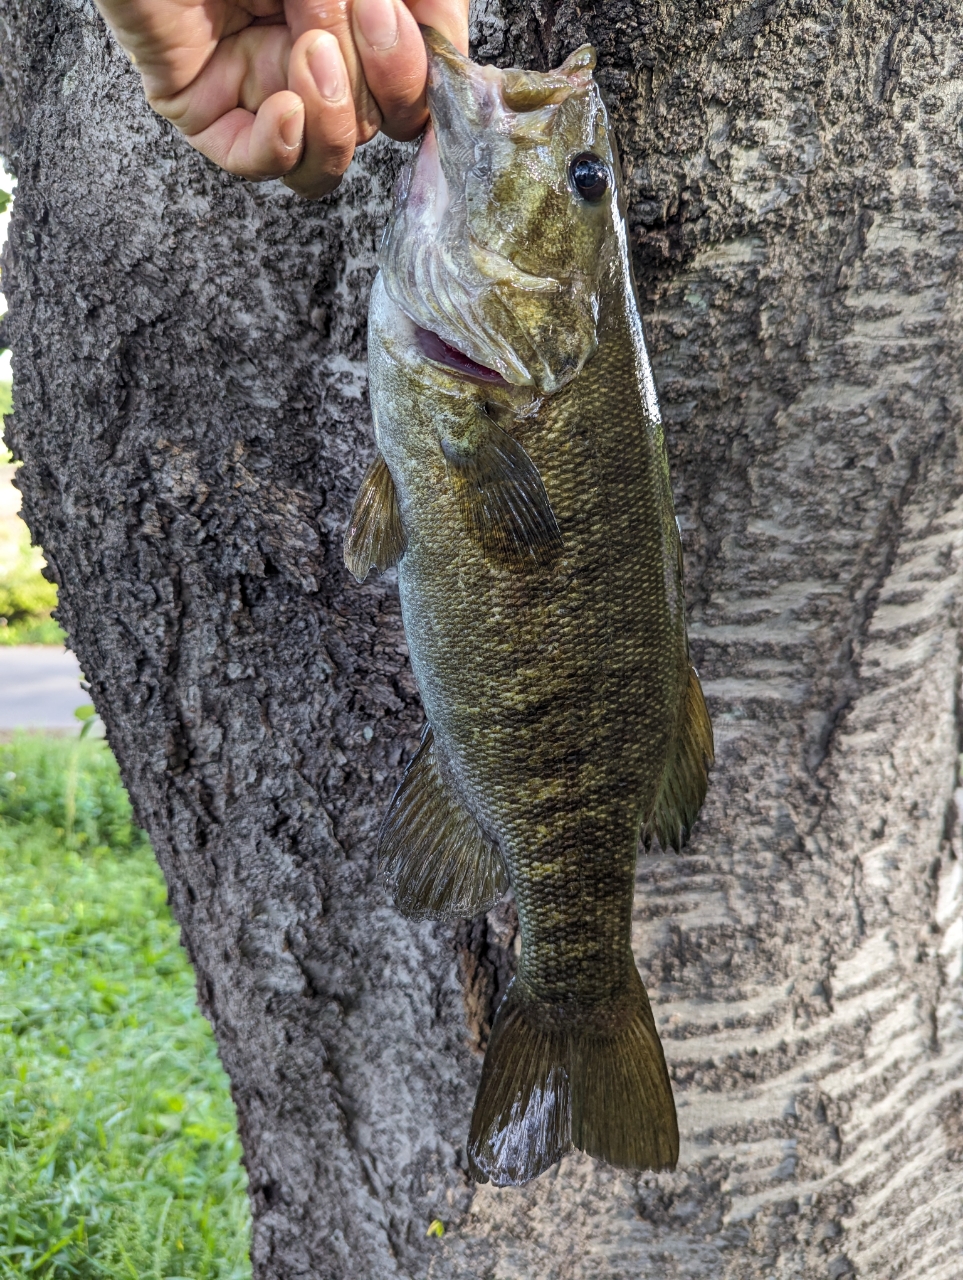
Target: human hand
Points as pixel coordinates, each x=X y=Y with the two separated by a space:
x=285 y=88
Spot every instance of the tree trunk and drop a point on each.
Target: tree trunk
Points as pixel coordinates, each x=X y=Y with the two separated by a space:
x=191 y=409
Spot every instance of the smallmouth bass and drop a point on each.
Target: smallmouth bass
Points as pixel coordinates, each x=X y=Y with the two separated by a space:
x=522 y=488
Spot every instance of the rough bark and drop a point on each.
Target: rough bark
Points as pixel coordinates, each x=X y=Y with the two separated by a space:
x=191 y=411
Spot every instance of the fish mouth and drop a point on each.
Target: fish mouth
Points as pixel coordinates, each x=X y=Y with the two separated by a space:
x=447 y=260
x=441 y=352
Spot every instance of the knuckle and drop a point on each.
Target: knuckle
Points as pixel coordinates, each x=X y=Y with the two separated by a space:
x=325 y=14
x=318 y=175
x=316 y=188
x=333 y=150
x=367 y=129
x=266 y=170
x=174 y=110
x=405 y=130
x=260 y=174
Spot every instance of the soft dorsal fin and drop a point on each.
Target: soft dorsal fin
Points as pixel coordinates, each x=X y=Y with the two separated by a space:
x=502 y=498
x=685 y=779
x=436 y=860
x=374 y=538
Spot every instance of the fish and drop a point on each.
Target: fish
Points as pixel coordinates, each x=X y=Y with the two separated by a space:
x=521 y=487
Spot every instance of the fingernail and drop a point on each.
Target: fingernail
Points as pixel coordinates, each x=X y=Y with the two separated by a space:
x=292 y=128
x=378 y=23
x=327 y=67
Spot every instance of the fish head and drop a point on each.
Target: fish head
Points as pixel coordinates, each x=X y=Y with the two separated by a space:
x=504 y=230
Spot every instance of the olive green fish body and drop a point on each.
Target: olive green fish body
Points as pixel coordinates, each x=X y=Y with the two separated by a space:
x=552 y=693
x=539 y=572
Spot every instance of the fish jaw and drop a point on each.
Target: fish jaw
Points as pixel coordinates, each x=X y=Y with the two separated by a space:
x=480 y=248
x=458 y=86
x=462 y=95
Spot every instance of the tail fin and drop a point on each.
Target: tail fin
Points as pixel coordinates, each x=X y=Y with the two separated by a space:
x=550 y=1082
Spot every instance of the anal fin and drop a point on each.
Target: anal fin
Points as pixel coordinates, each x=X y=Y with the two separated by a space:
x=374 y=538
x=436 y=860
x=502 y=497
x=686 y=775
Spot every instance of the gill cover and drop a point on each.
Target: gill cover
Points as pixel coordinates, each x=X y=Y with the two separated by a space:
x=491 y=247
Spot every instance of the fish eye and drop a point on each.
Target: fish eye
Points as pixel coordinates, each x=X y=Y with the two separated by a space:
x=590 y=176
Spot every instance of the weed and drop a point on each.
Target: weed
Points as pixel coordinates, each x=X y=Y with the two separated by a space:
x=118 y=1149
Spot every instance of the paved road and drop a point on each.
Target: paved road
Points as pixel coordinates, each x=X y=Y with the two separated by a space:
x=39 y=688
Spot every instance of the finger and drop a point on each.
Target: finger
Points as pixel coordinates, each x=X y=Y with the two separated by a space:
x=450 y=17
x=244 y=71
x=258 y=146
x=333 y=16
x=393 y=60
x=318 y=75
x=170 y=43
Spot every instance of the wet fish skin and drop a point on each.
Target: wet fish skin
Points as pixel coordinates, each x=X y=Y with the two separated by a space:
x=540 y=578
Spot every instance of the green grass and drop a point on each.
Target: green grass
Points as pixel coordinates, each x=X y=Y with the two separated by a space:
x=118 y=1148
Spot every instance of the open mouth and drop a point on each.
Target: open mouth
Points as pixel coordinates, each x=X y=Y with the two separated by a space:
x=442 y=352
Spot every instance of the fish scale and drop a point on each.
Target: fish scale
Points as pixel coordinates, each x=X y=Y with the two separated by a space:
x=522 y=488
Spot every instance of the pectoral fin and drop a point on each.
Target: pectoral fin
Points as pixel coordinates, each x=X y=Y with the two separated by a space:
x=502 y=498
x=685 y=779
x=374 y=538
x=435 y=859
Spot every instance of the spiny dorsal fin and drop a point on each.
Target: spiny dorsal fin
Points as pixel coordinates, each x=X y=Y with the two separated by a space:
x=502 y=498
x=685 y=779
x=374 y=538
x=435 y=859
